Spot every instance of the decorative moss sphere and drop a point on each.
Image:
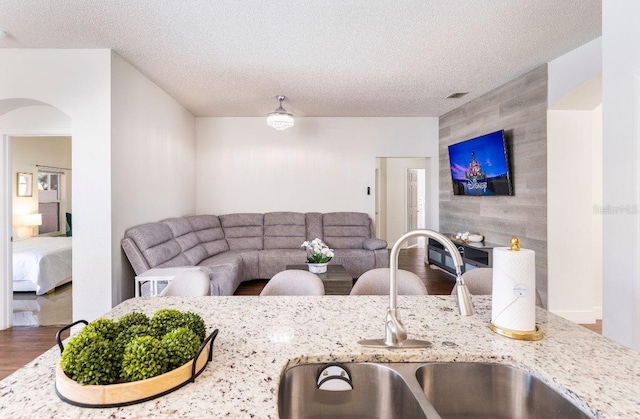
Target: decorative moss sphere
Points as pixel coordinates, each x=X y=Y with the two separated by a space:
x=181 y=344
x=90 y=359
x=164 y=320
x=195 y=323
x=144 y=357
x=132 y=319
x=131 y=333
x=106 y=328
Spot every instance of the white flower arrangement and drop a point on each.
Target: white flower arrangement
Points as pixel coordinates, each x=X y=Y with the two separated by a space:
x=463 y=236
x=317 y=251
x=469 y=237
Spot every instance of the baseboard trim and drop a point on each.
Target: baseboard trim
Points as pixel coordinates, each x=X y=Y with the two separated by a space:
x=580 y=317
x=598 y=312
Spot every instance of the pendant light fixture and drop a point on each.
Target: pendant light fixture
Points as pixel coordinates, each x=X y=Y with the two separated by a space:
x=280 y=119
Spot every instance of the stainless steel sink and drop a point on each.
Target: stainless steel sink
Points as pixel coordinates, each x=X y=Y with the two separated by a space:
x=475 y=390
x=421 y=390
x=379 y=391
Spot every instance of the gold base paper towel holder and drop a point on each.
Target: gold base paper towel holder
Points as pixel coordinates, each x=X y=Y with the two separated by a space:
x=530 y=335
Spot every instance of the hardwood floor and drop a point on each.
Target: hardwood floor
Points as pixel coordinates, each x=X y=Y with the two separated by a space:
x=20 y=345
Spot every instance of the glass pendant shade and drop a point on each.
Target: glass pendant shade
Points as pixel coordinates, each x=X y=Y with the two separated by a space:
x=280 y=119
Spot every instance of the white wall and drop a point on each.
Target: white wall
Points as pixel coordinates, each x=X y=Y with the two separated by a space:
x=321 y=164
x=153 y=157
x=34 y=119
x=596 y=217
x=27 y=153
x=621 y=167
x=573 y=237
x=572 y=69
x=77 y=82
x=574 y=184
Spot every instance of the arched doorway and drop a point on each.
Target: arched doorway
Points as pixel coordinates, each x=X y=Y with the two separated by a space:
x=19 y=118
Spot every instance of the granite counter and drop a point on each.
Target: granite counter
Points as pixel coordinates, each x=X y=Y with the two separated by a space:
x=259 y=337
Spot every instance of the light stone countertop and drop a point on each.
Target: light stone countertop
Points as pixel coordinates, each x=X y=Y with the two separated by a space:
x=261 y=336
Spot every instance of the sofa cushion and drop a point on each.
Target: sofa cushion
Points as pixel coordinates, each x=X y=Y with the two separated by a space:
x=224 y=279
x=156 y=242
x=284 y=230
x=374 y=244
x=179 y=260
x=355 y=261
x=209 y=232
x=250 y=264
x=346 y=230
x=243 y=231
x=146 y=236
x=313 y=225
x=247 y=259
x=187 y=239
x=226 y=258
x=272 y=261
x=178 y=226
x=226 y=272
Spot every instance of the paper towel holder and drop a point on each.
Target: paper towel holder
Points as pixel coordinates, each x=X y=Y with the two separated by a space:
x=530 y=335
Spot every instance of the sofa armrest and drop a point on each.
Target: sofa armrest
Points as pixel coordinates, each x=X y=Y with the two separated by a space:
x=135 y=256
x=374 y=244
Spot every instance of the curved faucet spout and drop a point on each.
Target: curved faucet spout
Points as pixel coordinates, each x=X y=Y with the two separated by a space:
x=395 y=331
x=464 y=300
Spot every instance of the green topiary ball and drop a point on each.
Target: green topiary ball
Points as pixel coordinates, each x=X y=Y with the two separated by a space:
x=132 y=319
x=164 y=320
x=181 y=345
x=131 y=333
x=144 y=357
x=195 y=323
x=89 y=358
x=106 y=328
x=71 y=353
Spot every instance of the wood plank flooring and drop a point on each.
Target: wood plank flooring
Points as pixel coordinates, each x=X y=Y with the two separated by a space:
x=20 y=345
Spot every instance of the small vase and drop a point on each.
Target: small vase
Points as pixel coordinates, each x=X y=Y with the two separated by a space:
x=318 y=268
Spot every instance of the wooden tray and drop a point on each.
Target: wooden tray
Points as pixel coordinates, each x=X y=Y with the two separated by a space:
x=124 y=394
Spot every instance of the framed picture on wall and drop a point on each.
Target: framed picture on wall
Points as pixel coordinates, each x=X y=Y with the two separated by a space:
x=25 y=184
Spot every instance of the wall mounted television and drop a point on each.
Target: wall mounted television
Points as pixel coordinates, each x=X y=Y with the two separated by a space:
x=480 y=166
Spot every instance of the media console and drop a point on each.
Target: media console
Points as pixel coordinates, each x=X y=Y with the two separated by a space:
x=474 y=255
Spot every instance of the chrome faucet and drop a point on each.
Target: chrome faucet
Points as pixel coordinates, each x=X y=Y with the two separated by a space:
x=395 y=331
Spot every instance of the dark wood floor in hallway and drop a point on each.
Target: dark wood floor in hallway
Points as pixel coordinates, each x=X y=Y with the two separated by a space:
x=20 y=345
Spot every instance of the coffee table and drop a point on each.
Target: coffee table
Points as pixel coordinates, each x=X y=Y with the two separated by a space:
x=337 y=281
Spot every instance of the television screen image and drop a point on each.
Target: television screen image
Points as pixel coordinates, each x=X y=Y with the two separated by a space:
x=480 y=166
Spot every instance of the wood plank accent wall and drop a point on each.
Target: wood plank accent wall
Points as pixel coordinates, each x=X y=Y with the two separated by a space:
x=519 y=107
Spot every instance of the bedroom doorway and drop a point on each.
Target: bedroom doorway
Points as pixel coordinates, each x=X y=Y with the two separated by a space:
x=401 y=197
x=41 y=230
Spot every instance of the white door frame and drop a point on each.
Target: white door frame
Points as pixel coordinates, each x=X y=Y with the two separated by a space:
x=6 y=247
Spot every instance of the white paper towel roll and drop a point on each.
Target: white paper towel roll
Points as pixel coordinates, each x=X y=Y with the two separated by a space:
x=514 y=289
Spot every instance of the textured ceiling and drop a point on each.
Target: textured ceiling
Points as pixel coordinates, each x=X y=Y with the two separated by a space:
x=329 y=57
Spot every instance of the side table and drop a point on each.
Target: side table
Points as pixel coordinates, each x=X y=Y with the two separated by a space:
x=156 y=275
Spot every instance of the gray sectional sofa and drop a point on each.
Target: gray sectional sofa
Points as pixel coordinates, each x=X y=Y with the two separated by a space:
x=233 y=248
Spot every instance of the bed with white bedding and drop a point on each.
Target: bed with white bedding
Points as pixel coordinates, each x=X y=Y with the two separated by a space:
x=41 y=263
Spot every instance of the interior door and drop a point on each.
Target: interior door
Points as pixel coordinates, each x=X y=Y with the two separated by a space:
x=412 y=203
